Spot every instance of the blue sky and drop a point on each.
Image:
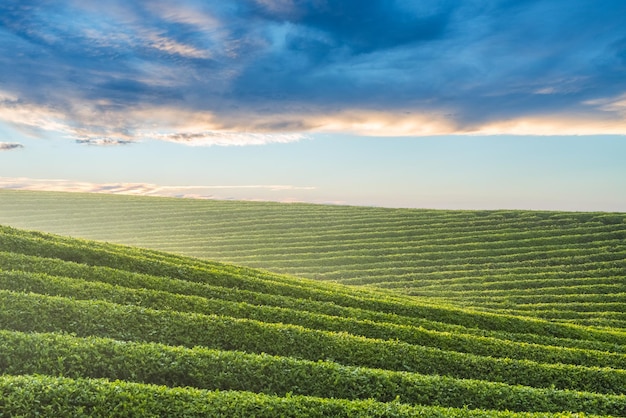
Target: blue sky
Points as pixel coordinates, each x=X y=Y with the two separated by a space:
x=446 y=104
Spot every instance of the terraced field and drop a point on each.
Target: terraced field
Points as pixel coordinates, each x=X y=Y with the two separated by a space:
x=95 y=329
x=562 y=266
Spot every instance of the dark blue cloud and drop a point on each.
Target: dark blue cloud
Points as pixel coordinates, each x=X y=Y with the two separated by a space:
x=474 y=61
x=362 y=26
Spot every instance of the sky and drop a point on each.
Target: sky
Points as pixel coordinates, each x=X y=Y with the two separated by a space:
x=475 y=104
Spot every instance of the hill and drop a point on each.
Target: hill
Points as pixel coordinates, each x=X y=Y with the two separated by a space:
x=96 y=329
x=520 y=262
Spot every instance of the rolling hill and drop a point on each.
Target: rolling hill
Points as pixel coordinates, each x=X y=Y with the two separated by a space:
x=562 y=266
x=96 y=329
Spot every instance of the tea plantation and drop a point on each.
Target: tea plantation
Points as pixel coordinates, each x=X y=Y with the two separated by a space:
x=93 y=329
x=457 y=313
x=562 y=266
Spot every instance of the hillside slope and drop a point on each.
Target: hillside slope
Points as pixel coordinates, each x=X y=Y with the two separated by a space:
x=522 y=262
x=98 y=329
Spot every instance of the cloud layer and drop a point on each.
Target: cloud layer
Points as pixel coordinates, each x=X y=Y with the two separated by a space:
x=7 y=146
x=241 y=192
x=259 y=71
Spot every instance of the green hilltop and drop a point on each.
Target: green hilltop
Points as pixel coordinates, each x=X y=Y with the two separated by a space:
x=97 y=329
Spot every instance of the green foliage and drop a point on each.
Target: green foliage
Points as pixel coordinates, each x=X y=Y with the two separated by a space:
x=147 y=262
x=49 y=396
x=231 y=370
x=264 y=301
x=407 y=250
x=36 y=313
x=87 y=290
x=510 y=311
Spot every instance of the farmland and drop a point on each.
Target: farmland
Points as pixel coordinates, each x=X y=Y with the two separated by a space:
x=307 y=310
x=97 y=329
x=560 y=266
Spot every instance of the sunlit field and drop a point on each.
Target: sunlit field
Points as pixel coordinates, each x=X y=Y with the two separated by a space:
x=564 y=266
x=99 y=329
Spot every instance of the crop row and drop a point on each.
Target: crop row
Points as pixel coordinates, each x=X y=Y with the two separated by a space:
x=266 y=210
x=69 y=356
x=522 y=304
x=393 y=238
x=388 y=234
x=350 y=228
x=502 y=301
x=477 y=250
x=604 y=320
x=130 y=280
x=80 y=289
x=104 y=256
x=614 y=317
x=58 y=267
x=223 y=277
x=488 y=276
x=403 y=274
x=608 y=283
x=400 y=244
x=329 y=217
x=266 y=249
x=36 y=313
x=84 y=205
x=78 y=203
x=485 y=273
x=537 y=260
x=279 y=215
x=390 y=274
x=580 y=310
x=596 y=282
x=274 y=278
x=476 y=280
x=57 y=396
x=150 y=263
x=399 y=241
x=601 y=323
x=586 y=306
x=290 y=230
x=417 y=267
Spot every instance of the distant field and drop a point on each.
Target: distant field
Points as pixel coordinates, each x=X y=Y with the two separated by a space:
x=561 y=266
x=92 y=329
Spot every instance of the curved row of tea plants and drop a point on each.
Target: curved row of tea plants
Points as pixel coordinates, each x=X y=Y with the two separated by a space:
x=288 y=309
x=40 y=313
x=144 y=261
x=203 y=368
x=86 y=290
x=35 y=395
x=75 y=312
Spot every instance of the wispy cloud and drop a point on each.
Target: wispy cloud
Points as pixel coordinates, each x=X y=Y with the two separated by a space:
x=103 y=141
x=173 y=47
x=615 y=105
x=7 y=146
x=148 y=189
x=228 y=138
x=99 y=73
